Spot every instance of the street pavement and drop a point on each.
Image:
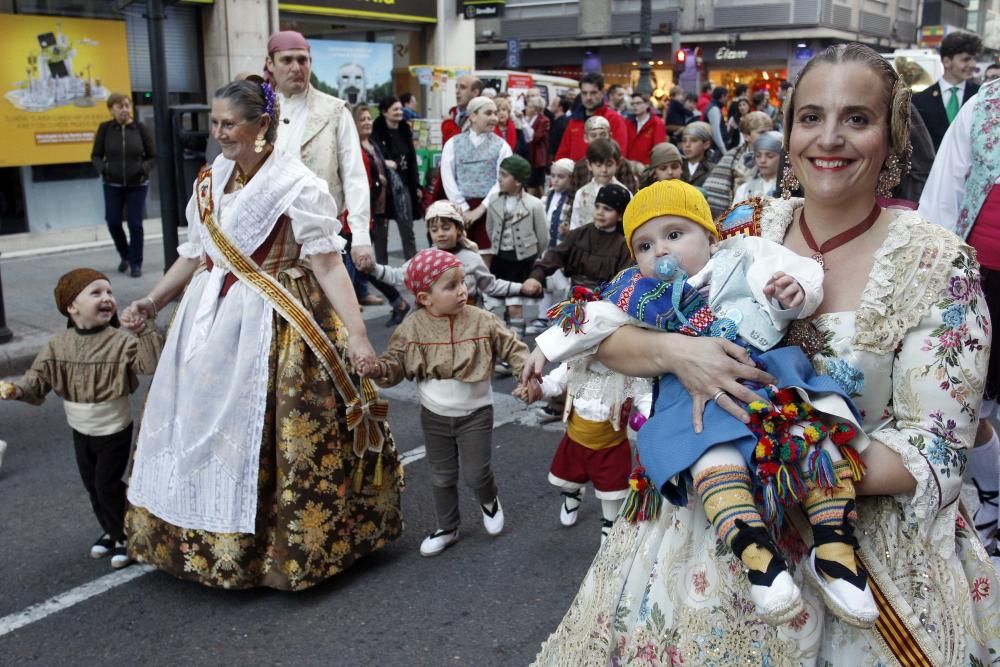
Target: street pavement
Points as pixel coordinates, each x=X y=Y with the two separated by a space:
x=485 y=601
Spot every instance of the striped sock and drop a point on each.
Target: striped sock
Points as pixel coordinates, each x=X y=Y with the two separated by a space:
x=725 y=491
x=826 y=507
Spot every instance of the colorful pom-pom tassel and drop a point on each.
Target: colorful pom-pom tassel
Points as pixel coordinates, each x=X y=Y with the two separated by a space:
x=643 y=500
x=571 y=315
x=821 y=469
x=771 y=509
x=857 y=466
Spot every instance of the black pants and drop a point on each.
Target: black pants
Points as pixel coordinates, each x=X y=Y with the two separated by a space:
x=380 y=238
x=361 y=280
x=102 y=460
x=132 y=198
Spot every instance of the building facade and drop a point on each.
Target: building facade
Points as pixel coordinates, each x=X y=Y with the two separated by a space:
x=208 y=43
x=740 y=42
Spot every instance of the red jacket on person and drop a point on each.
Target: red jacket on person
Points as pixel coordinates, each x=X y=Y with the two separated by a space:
x=450 y=128
x=651 y=133
x=703 y=101
x=538 y=149
x=509 y=135
x=573 y=145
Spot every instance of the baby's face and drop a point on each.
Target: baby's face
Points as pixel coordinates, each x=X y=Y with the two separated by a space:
x=673 y=235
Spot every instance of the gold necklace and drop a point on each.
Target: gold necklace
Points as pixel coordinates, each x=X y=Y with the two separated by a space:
x=241 y=178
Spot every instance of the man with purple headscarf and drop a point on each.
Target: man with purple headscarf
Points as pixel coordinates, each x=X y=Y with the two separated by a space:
x=320 y=130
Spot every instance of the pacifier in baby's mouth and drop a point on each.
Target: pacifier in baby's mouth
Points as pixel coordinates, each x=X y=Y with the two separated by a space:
x=667 y=268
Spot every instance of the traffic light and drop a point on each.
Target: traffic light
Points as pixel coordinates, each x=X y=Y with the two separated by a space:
x=680 y=61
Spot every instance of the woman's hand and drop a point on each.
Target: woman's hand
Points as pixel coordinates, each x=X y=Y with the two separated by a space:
x=707 y=367
x=391 y=164
x=362 y=355
x=711 y=369
x=134 y=317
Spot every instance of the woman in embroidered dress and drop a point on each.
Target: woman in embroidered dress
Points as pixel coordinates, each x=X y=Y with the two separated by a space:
x=904 y=328
x=257 y=463
x=470 y=165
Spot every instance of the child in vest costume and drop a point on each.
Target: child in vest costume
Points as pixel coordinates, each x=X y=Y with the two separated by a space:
x=599 y=405
x=518 y=232
x=449 y=348
x=447 y=232
x=469 y=166
x=93 y=367
x=801 y=445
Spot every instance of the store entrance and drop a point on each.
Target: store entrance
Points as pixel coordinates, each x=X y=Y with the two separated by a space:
x=765 y=77
x=13 y=216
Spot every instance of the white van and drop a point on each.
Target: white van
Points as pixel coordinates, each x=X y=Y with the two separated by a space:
x=549 y=86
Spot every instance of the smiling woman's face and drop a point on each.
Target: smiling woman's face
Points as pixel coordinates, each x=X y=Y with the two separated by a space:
x=235 y=134
x=839 y=137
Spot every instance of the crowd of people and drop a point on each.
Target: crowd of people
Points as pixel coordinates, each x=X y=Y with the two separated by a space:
x=778 y=430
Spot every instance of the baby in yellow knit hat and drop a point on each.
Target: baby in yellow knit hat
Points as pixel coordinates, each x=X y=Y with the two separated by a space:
x=801 y=444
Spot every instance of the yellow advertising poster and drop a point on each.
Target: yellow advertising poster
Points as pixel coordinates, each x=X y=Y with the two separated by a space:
x=55 y=77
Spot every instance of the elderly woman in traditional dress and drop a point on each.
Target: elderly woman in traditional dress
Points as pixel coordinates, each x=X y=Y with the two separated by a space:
x=904 y=328
x=263 y=459
x=470 y=164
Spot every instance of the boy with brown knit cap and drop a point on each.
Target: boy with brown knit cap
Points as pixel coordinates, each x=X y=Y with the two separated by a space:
x=93 y=367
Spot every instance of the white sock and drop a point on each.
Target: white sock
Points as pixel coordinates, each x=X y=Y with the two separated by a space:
x=984 y=472
x=571 y=502
x=609 y=509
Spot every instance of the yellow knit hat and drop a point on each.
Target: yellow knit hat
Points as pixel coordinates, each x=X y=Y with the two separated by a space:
x=673 y=197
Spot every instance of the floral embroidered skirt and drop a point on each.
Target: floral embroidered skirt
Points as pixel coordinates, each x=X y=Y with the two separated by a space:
x=311 y=524
x=668 y=592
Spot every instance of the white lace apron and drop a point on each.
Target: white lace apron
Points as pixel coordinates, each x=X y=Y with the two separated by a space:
x=198 y=452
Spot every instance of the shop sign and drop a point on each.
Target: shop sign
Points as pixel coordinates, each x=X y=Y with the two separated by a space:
x=726 y=53
x=746 y=52
x=356 y=72
x=520 y=81
x=419 y=11
x=55 y=77
x=482 y=9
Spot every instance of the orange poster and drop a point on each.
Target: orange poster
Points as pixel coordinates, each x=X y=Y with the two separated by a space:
x=55 y=77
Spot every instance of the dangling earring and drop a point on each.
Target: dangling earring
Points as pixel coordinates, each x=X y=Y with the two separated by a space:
x=788 y=182
x=258 y=145
x=889 y=177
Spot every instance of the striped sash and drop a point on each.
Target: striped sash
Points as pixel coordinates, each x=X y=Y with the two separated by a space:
x=892 y=629
x=364 y=409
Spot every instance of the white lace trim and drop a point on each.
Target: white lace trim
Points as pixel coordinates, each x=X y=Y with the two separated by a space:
x=323 y=246
x=190 y=250
x=926 y=499
x=595 y=382
x=910 y=271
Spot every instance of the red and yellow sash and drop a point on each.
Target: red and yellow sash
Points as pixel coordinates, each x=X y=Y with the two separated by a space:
x=892 y=628
x=364 y=409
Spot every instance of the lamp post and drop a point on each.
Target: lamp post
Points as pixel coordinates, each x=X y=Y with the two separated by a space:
x=645 y=85
x=5 y=333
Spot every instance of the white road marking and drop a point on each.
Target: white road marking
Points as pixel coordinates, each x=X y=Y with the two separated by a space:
x=507 y=410
x=37 y=612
